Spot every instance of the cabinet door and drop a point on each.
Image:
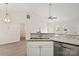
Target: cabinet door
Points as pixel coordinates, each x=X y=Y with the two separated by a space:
x=57 y=49
x=47 y=50
x=33 y=50
x=69 y=50
x=40 y=48
x=61 y=49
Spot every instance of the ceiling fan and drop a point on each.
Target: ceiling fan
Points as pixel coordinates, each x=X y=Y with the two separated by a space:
x=50 y=10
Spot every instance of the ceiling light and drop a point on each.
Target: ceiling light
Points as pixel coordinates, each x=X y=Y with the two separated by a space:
x=7 y=18
x=50 y=11
x=28 y=16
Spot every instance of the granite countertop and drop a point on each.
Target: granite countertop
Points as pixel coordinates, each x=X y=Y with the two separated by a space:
x=62 y=40
x=68 y=41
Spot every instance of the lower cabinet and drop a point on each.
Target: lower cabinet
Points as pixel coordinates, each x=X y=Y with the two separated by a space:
x=50 y=48
x=39 y=48
x=61 y=49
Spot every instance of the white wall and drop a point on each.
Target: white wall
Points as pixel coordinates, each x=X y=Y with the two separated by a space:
x=67 y=14
x=71 y=25
x=9 y=32
x=67 y=17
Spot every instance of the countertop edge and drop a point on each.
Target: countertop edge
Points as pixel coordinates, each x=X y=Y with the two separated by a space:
x=53 y=41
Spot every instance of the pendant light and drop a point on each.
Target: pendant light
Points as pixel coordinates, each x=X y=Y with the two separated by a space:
x=6 y=18
x=28 y=16
x=50 y=10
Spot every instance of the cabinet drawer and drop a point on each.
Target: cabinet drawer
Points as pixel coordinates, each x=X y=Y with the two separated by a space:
x=39 y=43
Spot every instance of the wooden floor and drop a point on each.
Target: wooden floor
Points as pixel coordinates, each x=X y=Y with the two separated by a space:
x=13 y=49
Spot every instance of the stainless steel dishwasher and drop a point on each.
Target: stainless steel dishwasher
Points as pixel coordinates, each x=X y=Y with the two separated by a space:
x=62 y=49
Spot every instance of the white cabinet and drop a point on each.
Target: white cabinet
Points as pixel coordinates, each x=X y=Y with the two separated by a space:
x=32 y=50
x=47 y=50
x=40 y=48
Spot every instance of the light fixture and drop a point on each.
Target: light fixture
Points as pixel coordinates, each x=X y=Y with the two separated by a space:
x=7 y=18
x=50 y=10
x=28 y=16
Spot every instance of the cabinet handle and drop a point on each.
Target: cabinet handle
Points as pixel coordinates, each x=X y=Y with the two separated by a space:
x=65 y=47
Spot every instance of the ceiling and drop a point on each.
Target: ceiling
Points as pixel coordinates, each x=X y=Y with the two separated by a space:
x=60 y=10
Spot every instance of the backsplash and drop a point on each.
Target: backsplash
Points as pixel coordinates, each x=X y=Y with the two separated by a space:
x=54 y=35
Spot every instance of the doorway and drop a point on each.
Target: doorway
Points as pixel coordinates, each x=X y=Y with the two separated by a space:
x=22 y=32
